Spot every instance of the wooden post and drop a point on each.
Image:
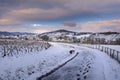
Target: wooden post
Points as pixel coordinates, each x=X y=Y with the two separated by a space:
x=117 y=55
x=112 y=54
x=110 y=51
x=107 y=51
x=102 y=48
x=4 y=49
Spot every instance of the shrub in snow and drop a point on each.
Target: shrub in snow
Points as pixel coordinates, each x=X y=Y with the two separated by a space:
x=72 y=51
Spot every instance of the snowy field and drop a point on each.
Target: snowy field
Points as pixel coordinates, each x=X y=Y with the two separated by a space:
x=23 y=66
x=89 y=64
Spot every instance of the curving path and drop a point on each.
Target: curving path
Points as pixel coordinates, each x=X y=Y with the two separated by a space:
x=88 y=65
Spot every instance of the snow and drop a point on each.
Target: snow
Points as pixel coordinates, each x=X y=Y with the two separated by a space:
x=110 y=68
x=82 y=36
x=90 y=64
x=111 y=37
x=115 y=47
x=37 y=62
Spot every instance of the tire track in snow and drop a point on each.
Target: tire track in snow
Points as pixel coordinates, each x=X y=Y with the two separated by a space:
x=55 y=69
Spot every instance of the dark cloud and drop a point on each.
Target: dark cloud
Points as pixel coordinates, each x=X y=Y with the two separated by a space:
x=70 y=23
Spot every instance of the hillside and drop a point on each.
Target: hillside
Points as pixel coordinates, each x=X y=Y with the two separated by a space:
x=63 y=33
x=82 y=37
x=107 y=35
x=69 y=36
x=4 y=33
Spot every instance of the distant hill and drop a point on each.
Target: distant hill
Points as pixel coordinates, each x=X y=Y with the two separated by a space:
x=4 y=33
x=63 y=33
x=66 y=32
x=60 y=31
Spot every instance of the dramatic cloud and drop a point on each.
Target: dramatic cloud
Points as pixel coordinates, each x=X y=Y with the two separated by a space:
x=25 y=12
x=38 y=14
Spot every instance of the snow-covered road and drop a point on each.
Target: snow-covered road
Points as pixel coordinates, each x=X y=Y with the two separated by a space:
x=90 y=64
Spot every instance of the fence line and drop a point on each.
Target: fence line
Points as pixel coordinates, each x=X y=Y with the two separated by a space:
x=111 y=52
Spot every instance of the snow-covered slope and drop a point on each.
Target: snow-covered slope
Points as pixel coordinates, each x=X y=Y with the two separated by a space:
x=66 y=33
x=35 y=63
x=58 y=34
x=83 y=36
x=111 y=37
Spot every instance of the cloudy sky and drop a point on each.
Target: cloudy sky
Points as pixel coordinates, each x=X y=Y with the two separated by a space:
x=47 y=15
